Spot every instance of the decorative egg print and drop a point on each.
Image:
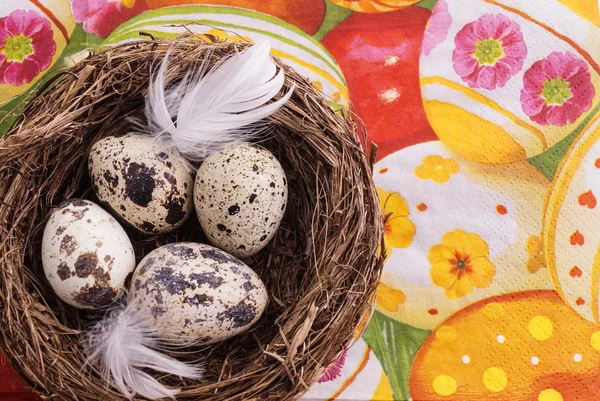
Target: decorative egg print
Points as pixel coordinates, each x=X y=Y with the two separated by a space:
x=147 y=185
x=504 y=80
x=294 y=47
x=197 y=291
x=240 y=197
x=457 y=232
x=86 y=254
x=571 y=234
x=356 y=375
x=521 y=346
x=33 y=36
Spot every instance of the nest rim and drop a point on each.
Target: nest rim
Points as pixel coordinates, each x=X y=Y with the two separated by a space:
x=330 y=238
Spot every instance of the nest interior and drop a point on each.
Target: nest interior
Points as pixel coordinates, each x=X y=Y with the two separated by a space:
x=321 y=270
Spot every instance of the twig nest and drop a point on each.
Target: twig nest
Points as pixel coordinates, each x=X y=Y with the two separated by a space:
x=320 y=270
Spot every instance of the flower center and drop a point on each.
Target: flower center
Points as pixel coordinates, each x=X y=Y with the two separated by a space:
x=556 y=91
x=16 y=48
x=461 y=264
x=488 y=51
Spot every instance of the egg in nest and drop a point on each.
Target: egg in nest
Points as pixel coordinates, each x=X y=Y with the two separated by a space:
x=147 y=185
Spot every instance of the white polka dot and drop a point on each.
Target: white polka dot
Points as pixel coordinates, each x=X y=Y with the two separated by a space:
x=535 y=360
x=466 y=359
x=577 y=357
x=500 y=338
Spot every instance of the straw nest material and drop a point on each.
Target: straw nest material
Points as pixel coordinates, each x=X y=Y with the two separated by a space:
x=321 y=270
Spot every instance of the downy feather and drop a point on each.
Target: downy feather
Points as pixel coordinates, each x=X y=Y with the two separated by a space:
x=123 y=344
x=211 y=109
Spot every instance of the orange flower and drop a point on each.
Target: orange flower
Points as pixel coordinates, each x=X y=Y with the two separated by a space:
x=389 y=298
x=399 y=230
x=460 y=263
x=437 y=169
x=535 y=249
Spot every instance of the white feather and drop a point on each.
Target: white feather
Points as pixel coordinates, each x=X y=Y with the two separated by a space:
x=211 y=109
x=122 y=344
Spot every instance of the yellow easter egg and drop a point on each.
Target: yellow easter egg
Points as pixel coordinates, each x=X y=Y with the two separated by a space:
x=505 y=357
x=33 y=36
x=357 y=375
x=503 y=80
x=571 y=234
x=292 y=45
x=456 y=232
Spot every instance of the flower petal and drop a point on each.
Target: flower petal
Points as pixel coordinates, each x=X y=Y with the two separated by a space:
x=16 y=22
x=457 y=241
x=532 y=103
x=485 y=26
x=400 y=232
x=482 y=272
x=22 y=73
x=556 y=116
x=440 y=253
x=459 y=289
x=395 y=204
x=487 y=78
x=476 y=246
x=465 y=40
x=442 y=276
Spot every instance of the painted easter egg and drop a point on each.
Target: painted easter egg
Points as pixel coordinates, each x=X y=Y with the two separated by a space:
x=504 y=80
x=374 y=6
x=379 y=55
x=306 y=16
x=457 y=232
x=521 y=346
x=293 y=46
x=571 y=234
x=356 y=375
x=32 y=37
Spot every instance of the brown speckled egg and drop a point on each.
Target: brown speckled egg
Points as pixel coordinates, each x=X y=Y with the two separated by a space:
x=86 y=254
x=195 y=291
x=148 y=186
x=240 y=196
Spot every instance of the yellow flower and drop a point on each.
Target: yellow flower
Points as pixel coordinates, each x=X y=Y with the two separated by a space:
x=399 y=230
x=537 y=259
x=437 y=169
x=460 y=263
x=389 y=298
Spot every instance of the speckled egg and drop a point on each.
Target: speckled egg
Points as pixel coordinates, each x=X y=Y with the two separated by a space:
x=240 y=196
x=148 y=186
x=198 y=292
x=86 y=254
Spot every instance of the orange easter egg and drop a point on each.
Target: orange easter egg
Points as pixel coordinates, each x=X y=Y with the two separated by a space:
x=520 y=346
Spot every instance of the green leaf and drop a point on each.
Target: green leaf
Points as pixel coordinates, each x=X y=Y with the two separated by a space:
x=549 y=161
x=334 y=14
x=395 y=345
x=428 y=4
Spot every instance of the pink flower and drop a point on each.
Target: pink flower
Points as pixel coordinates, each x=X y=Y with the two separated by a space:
x=557 y=90
x=489 y=51
x=103 y=16
x=26 y=46
x=437 y=27
x=335 y=370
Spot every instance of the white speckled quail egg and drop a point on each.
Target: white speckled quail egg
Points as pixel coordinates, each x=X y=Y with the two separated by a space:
x=86 y=254
x=240 y=196
x=195 y=291
x=147 y=185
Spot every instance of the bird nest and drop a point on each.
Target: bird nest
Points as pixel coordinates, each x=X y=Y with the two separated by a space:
x=321 y=270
